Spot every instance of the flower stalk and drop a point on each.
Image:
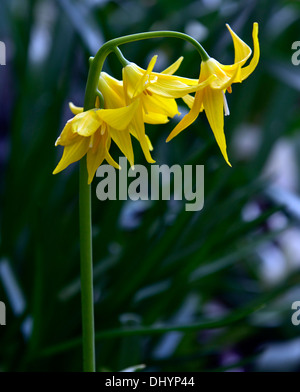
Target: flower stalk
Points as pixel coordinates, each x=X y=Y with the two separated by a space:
x=86 y=269
x=96 y=63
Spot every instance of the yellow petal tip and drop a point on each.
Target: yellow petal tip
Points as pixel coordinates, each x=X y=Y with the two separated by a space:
x=170 y=137
x=227 y=160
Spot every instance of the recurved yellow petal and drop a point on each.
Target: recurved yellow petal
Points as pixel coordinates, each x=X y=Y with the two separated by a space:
x=173 y=67
x=118 y=118
x=137 y=128
x=190 y=117
x=123 y=141
x=225 y=79
x=112 y=91
x=182 y=79
x=149 y=143
x=167 y=74
x=136 y=80
x=111 y=161
x=214 y=108
x=157 y=104
x=145 y=81
x=95 y=157
x=86 y=123
x=241 y=50
x=155 y=118
x=246 y=71
x=176 y=89
x=75 y=109
x=67 y=135
x=72 y=153
x=108 y=157
x=189 y=100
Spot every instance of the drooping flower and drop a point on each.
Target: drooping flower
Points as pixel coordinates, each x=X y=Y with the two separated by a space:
x=90 y=133
x=114 y=96
x=212 y=98
x=156 y=93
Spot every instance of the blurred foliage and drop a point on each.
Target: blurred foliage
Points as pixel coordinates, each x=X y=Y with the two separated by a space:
x=174 y=290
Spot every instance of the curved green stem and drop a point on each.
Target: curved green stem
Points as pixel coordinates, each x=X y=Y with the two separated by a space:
x=120 y=56
x=97 y=62
x=101 y=98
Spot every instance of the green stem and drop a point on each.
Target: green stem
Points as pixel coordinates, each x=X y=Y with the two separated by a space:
x=86 y=273
x=120 y=56
x=96 y=63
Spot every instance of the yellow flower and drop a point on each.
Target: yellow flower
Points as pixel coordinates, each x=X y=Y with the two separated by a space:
x=212 y=98
x=90 y=133
x=113 y=94
x=156 y=93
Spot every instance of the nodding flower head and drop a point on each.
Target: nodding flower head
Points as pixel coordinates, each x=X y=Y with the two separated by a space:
x=212 y=98
x=90 y=133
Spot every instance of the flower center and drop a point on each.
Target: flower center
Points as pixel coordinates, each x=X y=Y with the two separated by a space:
x=147 y=92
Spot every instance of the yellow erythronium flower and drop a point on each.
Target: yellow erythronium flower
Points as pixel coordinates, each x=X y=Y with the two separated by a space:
x=156 y=93
x=113 y=94
x=212 y=98
x=90 y=133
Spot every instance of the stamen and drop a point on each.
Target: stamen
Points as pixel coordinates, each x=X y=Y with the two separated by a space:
x=91 y=141
x=147 y=81
x=103 y=129
x=226 y=108
x=144 y=106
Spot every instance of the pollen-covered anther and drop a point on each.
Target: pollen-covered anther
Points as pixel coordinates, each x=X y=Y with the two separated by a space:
x=226 y=108
x=91 y=141
x=103 y=129
x=147 y=92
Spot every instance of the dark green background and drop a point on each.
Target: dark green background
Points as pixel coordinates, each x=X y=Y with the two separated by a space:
x=226 y=276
